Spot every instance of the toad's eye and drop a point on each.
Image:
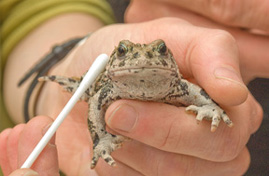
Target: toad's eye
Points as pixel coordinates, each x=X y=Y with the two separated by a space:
x=122 y=50
x=162 y=49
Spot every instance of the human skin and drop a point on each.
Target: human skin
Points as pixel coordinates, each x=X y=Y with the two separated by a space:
x=246 y=20
x=163 y=133
x=15 y=147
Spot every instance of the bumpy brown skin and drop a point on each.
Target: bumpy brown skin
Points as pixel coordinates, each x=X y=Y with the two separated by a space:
x=142 y=72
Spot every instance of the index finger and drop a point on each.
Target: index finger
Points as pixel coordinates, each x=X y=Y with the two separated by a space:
x=169 y=128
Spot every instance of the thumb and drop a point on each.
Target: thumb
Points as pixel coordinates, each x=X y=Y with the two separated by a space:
x=47 y=162
x=214 y=64
x=24 y=172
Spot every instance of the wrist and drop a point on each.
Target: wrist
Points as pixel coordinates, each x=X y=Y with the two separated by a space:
x=32 y=48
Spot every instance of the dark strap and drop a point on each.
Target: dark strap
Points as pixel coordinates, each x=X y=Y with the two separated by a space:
x=57 y=53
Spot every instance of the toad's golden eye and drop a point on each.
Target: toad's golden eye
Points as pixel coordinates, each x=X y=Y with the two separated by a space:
x=122 y=50
x=162 y=49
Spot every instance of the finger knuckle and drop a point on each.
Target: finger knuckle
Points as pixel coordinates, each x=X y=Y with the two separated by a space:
x=230 y=146
x=171 y=141
x=223 y=36
x=5 y=133
x=257 y=113
x=223 y=10
x=241 y=164
x=174 y=165
x=171 y=21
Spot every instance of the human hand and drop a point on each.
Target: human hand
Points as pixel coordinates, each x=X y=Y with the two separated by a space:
x=245 y=20
x=17 y=143
x=217 y=72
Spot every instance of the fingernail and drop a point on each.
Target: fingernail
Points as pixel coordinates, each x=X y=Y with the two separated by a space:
x=31 y=173
x=123 y=118
x=44 y=130
x=229 y=74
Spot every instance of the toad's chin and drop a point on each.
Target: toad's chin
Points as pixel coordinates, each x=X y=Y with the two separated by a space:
x=143 y=82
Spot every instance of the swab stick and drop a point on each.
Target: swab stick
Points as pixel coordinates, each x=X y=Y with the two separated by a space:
x=96 y=68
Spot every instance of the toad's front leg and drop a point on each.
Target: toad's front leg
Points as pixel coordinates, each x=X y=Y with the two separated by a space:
x=103 y=142
x=199 y=102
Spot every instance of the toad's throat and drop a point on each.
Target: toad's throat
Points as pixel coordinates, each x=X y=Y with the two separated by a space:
x=143 y=82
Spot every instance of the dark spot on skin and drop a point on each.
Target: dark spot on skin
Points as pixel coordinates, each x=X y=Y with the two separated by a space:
x=149 y=54
x=213 y=110
x=131 y=48
x=90 y=123
x=121 y=64
x=142 y=81
x=228 y=122
x=183 y=85
x=118 y=97
x=52 y=78
x=70 y=89
x=164 y=63
x=136 y=55
x=174 y=74
x=96 y=141
x=136 y=71
x=113 y=55
x=180 y=89
x=104 y=152
x=108 y=159
x=149 y=63
x=61 y=83
x=87 y=92
x=204 y=94
x=71 y=80
x=124 y=84
x=103 y=95
x=175 y=96
x=113 y=135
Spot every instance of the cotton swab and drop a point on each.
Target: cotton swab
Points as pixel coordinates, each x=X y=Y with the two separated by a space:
x=96 y=68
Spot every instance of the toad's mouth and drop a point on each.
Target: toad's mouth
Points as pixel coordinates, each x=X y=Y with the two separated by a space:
x=140 y=70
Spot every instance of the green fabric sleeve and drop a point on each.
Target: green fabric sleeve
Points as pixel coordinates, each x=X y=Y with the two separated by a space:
x=20 y=17
x=30 y=13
